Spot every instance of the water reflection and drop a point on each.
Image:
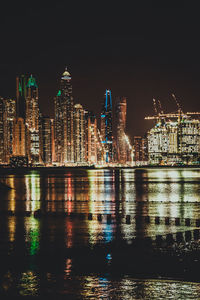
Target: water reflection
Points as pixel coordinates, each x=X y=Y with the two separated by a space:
x=163 y=192
x=159 y=192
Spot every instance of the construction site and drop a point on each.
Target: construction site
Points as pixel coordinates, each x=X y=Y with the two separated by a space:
x=175 y=137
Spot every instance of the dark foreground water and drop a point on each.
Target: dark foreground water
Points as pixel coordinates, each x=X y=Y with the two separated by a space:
x=48 y=255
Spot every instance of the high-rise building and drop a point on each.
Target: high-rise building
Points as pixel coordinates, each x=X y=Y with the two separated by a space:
x=59 y=128
x=121 y=143
x=144 y=149
x=10 y=114
x=53 y=141
x=19 y=152
x=64 y=145
x=91 y=138
x=106 y=127
x=21 y=90
x=32 y=121
x=79 y=134
x=19 y=137
x=46 y=140
x=32 y=105
x=137 y=144
x=2 y=131
x=175 y=141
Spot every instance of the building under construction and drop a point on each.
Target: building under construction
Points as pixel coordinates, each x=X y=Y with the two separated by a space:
x=175 y=137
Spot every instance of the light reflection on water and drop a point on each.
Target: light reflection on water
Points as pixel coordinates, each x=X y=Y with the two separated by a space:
x=173 y=193
x=95 y=287
x=105 y=191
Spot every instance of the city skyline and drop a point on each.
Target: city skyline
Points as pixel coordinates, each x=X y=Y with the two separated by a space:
x=150 y=50
x=74 y=137
x=71 y=137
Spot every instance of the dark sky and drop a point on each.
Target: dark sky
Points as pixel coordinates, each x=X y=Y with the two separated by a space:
x=150 y=49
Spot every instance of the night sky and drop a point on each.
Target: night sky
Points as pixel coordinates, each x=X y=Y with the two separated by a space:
x=150 y=49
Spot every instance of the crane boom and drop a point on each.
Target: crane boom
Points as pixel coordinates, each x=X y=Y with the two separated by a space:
x=177 y=103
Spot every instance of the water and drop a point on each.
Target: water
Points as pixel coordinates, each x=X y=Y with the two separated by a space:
x=32 y=250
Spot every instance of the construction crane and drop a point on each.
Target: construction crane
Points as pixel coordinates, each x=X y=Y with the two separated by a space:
x=177 y=103
x=155 y=107
x=173 y=115
x=161 y=116
x=193 y=113
x=160 y=107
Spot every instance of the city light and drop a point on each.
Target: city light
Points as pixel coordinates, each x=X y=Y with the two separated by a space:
x=72 y=138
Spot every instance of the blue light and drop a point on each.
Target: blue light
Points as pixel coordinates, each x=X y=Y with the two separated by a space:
x=109 y=256
x=106 y=99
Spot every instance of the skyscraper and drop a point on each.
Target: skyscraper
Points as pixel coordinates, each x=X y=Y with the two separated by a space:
x=46 y=140
x=2 y=131
x=138 y=149
x=59 y=128
x=32 y=121
x=79 y=134
x=121 y=127
x=91 y=138
x=106 y=127
x=21 y=89
x=19 y=128
x=10 y=114
x=64 y=121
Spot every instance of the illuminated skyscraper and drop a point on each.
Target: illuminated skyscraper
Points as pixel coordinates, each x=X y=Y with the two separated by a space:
x=137 y=144
x=121 y=127
x=91 y=138
x=32 y=121
x=59 y=128
x=79 y=134
x=2 y=131
x=32 y=105
x=53 y=141
x=10 y=114
x=19 y=138
x=106 y=127
x=19 y=128
x=46 y=140
x=21 y=90
x=64 y=145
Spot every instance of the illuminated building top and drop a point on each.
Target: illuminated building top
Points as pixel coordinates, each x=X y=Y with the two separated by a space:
x=32 y=82
x=66 y=75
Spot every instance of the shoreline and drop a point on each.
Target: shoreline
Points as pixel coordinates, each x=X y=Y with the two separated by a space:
x=101 y=168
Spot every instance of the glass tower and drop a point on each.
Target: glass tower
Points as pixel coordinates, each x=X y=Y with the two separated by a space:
x=64 y=121
x=106 y=127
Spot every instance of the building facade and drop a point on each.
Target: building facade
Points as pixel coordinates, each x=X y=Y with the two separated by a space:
x=121 y=144
x=175 y=142
x=79 y=134
x=91 y=138
x=32 y=121
x=46 y=141
x=63 y=103
x=106 y=127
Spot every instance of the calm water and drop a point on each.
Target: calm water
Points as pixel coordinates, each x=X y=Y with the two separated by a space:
x=152 y=192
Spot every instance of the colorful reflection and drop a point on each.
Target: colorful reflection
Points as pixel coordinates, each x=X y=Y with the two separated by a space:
x=33 y=192
x=32 y=234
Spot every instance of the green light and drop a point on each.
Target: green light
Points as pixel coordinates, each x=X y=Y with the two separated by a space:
x=34 y=241
x=20 y=88
x=32 y=82
x=59 y=93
